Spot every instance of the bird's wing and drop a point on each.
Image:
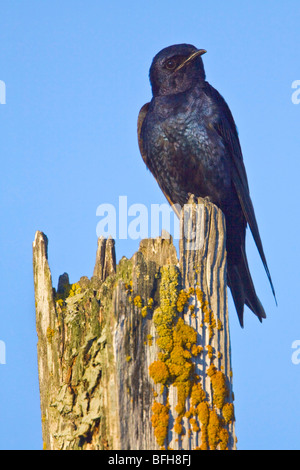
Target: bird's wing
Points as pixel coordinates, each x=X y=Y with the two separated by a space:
x=142 y=114
x=141 y=117
x=226 y=128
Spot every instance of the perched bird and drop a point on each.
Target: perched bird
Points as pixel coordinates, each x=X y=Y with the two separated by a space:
x=189 y=141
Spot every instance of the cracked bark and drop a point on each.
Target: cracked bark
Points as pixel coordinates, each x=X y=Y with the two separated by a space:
x=97 y=339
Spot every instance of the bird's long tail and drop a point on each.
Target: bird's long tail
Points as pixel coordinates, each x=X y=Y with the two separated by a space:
x=242 y=289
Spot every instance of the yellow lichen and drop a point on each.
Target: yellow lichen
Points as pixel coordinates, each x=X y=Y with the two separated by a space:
x=75 y=289
x=138 y=301
x=150 y=339
x=199 y=295
x=183 y=298
x=49 y=334
x=144 y=311
x=209 y=319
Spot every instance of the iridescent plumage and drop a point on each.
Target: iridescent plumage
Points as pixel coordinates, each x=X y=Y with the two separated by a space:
x=188 y=140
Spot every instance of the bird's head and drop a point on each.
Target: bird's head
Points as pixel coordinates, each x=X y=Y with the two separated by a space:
x=176 y=68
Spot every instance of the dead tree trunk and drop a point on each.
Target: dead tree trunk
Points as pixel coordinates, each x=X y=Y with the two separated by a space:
x=138 y=357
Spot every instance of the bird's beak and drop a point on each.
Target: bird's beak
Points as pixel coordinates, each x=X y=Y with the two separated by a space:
x=191 y=57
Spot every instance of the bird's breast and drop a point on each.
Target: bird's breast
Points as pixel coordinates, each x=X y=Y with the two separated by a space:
x=186 y=155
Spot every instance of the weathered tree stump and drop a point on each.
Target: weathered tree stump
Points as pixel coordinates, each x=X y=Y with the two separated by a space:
x=138 y=356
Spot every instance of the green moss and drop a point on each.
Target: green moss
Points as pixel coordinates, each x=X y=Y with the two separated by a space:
x=124 y=272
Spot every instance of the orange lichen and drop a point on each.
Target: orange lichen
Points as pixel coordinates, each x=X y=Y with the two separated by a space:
x=224 y=439
x=194 y=424
x=211 y=370
x=159 y=372
x=184 y=334
x=220 y=390
x=197 y=394
x=191 y=308
x=228 y=412
x=160 y=421
x=175 y=367
x=178 y=426
x=213 y=430
x=210 y=351
x=203 y=413
x=204 y=438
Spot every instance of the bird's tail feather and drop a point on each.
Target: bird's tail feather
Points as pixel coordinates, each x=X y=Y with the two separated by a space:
x=242 y=289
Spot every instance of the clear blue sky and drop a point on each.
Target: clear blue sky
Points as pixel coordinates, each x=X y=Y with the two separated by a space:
x=76 y=75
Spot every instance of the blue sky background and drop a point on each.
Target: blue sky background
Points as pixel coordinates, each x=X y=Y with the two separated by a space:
x=76 y=75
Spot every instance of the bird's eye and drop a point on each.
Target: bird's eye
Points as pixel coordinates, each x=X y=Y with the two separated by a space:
x=171 y=64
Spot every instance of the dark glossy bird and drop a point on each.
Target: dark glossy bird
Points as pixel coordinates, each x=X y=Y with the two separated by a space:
x=189 y=141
